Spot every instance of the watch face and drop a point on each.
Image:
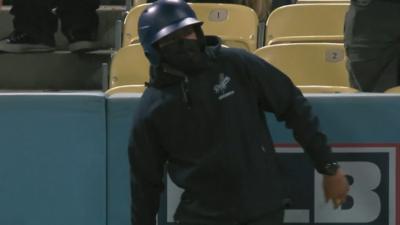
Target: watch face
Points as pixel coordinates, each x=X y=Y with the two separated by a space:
x=331 y=168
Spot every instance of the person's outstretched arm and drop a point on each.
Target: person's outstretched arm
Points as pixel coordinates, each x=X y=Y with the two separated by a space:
x=277 y=94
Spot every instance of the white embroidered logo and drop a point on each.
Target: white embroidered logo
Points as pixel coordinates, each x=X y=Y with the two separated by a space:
x=221 y=87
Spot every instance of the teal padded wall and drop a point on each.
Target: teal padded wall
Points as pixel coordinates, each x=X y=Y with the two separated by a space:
x=64 y=159
x=52 y=159
x=120 y=108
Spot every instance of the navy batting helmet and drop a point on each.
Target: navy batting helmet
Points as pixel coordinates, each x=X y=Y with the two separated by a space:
x=160 y=19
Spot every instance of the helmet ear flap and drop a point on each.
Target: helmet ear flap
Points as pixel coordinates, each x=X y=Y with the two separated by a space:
x=153 y=55
x=200 y=36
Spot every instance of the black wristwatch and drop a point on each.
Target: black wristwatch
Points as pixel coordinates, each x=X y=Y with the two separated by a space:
x=330 y=168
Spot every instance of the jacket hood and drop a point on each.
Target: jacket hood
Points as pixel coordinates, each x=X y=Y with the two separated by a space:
x=165 y=75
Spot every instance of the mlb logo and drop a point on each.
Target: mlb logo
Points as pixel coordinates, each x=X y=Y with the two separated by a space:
x=372 y=198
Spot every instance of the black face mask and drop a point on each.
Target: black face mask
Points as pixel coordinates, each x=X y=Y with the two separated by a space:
x=186 y=55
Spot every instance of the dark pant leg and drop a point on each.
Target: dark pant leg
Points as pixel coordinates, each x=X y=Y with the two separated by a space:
x=375 y=74
x=79 y=19
x=273 y=218
x=35 y=18
x=278 y=3
x=372 y=37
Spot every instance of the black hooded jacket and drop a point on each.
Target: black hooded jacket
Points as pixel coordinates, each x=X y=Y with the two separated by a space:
x=209 y=130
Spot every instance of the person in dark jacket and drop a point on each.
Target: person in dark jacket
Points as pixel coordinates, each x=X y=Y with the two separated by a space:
x=372 y=42
x=35 y=24
x=202 y=118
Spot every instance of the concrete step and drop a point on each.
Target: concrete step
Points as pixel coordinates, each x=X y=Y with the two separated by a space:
x=61 y=70
x=108 y=16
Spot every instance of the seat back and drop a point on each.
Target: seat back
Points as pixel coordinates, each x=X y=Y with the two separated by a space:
x=322 y=22
x=320 y=64
x=235 y=24
x=130 y=29
x=393 y=90
x=129 y=66
x=311 y=89
x=322 y=1
x=138 y=2
x=133 y=88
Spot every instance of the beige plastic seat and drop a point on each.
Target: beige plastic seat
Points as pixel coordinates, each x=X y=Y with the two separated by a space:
x=138 y=2
x=315 y=67
x=296 y=23
x=235 y=24
x=322 y=1
x=129 y=66
x=130 y=29
x=326 y=89
x=133 y=88
x=393 y=90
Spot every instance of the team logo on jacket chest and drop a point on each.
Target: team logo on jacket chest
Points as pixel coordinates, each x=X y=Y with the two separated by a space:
x=221 y=87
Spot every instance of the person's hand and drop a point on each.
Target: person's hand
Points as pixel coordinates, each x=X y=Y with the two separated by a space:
x=1 y=3
x=336 y=188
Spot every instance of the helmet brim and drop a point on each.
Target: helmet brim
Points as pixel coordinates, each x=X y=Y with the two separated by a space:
x=174 y=27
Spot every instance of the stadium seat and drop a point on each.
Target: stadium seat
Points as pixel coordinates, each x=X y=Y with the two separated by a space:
x=310 y=64
x=133 y=88
x=130 y=29
x=129 y=66
x=322 y=1
x=138 y=2
x=326 y=89
x=306 y=23
x=393 y=90
x=235 y=24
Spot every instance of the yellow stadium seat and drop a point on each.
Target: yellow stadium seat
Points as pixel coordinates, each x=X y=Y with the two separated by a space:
x=133 y=88
x=138 y=2
x=129 y=66
x=393 y=90
x=236 y=25
x=130 y=30
x=326 y=89
x=296 y=23
x=322 y=1
x=310 y=64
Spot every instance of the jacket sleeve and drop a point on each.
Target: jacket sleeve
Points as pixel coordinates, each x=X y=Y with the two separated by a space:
x=277 y=94
x=147 y=169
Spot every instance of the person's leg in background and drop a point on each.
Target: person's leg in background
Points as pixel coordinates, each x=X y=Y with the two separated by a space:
x=34 y=27
x=79 y=23
x=373 y=69
x=261 y=7
x=273 y=218
x=278 y=3
x=372 y=37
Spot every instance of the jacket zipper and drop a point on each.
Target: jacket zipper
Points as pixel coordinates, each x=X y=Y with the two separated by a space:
x=185 y=92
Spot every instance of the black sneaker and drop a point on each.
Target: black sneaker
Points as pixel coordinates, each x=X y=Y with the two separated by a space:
x=82 y=42
x=19 y=42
